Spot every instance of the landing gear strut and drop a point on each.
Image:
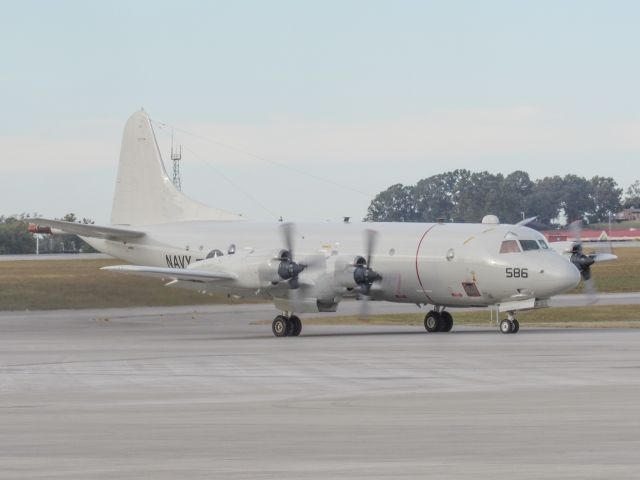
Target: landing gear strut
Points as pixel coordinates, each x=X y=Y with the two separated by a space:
x=285 y=326
x=438 y=321
x=509 y=324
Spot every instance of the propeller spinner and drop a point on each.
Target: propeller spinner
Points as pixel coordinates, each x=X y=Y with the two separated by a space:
x=288 y=269
x=363 y=275
x=581 y=261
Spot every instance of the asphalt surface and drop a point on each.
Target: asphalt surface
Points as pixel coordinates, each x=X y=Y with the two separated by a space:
x=170 y=393
x=267 y=311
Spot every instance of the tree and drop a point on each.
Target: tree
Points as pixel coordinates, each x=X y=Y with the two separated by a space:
x=605 y=196
x=632 y=195
x=482 y=195
x=395 y=204
x=517 y=190
x=14 y=236
x=16 y=239
x=577 y=201
x=464 y=196
x=438 y=197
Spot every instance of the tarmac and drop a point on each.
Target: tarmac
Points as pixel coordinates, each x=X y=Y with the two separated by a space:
x=180 y=393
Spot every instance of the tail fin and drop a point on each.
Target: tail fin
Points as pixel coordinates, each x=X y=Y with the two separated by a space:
x=144 y=194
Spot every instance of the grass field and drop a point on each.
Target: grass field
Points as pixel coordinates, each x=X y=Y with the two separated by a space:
x=55 y=284
x=622 y=275
x=614 y=225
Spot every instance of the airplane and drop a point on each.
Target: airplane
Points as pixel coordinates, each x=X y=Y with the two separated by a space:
x=312 y=267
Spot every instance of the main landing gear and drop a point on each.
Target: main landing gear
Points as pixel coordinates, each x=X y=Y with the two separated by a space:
x=438 y=321
x=286 y=326
x=509 y=324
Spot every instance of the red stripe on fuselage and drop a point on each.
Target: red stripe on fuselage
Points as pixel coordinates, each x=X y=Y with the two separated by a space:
x=418 y=267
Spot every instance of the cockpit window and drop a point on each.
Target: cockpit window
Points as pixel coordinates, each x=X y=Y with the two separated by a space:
x=529 y=245
x=509 y=246
x=215 y=254
x=543 y=244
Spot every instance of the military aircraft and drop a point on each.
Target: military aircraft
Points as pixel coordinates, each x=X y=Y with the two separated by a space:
x=310 y=268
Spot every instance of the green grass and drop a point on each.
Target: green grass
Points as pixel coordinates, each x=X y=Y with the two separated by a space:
x=614 y=225
x=594 y=316
x=55 y=284
x=622 y=275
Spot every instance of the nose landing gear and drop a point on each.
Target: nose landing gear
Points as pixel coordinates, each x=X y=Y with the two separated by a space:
x=509 y=324
x=286 y=326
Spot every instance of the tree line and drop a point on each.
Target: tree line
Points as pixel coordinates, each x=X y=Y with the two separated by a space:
x=16 y=239
x=455 y=196
x=465 y=196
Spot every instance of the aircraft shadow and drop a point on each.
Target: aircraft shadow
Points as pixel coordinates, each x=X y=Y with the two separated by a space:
x=486 y=331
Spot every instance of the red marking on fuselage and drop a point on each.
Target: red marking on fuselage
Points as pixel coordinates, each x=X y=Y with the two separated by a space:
x=417 y=265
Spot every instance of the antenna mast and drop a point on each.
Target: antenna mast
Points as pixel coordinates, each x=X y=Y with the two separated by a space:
x=176 y=156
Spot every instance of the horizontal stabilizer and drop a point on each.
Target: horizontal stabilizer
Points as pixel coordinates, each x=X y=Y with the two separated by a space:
x=184 y=274
x=87 y=230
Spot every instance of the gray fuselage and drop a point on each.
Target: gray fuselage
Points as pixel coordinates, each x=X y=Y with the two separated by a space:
x=442 y=264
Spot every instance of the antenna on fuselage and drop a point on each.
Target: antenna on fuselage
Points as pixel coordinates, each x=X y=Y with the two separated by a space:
x=176 y=156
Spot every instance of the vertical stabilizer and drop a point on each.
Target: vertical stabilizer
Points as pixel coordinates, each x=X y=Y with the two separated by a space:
x=144 y=193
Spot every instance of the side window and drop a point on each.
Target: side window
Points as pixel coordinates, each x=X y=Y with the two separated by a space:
x=529 y=245
x=543 y=244
x=232 y=249
x=215 y=253
x=509 y=246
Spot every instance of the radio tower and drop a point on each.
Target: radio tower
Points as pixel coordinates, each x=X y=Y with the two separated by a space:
x=176 y=155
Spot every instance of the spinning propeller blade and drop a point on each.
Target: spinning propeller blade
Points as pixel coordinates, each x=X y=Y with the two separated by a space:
x=289 y=269
x=364 y=275
x=583 y=262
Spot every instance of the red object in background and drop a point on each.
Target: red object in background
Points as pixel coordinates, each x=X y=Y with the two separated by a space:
x=33 y=228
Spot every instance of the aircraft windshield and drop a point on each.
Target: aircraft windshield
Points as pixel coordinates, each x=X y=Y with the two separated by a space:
x=543 y=244
x=529 y=245
x=509 y=246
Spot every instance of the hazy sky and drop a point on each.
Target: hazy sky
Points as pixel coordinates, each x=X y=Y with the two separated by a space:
x=362 y=93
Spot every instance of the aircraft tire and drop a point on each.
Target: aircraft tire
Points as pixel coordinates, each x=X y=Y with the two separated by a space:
x=280 y=326
x=432 y=321
x=447 y=322
x=516 y=326
x=291 y=327
x=506 y=326
x=296 y=326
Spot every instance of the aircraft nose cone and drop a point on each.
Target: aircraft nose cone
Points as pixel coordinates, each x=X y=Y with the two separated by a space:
x=558 y=277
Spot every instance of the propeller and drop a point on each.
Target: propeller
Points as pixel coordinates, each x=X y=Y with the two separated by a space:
x=363 y=274
x=582 y=261
x=288 y=269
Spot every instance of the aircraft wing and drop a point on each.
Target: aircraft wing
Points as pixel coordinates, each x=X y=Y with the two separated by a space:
x=184 y=274
x=84 y=230
x=603 y=257
x=564 y=248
